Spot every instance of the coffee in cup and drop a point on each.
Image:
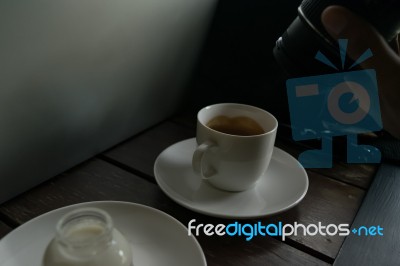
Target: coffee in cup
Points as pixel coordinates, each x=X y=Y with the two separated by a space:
x=238 y=125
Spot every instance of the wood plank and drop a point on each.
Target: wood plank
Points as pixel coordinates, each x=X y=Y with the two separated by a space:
x=329 y=202
x=4 y=229
x=140 y=152
x=98 y=180
x=359 y=175
x=226 y=251
x=380 y=207
x=90 y=181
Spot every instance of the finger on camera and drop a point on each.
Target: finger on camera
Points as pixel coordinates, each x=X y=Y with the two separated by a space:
x=341 y=23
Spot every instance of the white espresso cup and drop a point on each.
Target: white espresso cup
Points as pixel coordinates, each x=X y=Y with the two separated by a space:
x=235 y=145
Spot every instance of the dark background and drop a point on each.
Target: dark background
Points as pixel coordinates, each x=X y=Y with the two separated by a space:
x=236 y=63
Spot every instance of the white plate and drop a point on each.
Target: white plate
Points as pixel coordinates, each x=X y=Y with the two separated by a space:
x=156 y=238
x=283 y=186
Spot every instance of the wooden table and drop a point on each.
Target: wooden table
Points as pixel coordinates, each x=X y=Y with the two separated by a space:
x=125 y=173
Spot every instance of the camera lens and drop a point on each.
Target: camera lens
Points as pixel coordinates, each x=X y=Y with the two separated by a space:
x=296 y=48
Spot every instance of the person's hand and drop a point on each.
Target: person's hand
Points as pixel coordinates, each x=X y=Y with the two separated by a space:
x=341 y=23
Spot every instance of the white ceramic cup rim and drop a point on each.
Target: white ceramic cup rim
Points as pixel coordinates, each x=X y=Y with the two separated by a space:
x=250 y=107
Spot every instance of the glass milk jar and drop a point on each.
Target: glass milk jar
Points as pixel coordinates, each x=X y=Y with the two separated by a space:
x=87 y=237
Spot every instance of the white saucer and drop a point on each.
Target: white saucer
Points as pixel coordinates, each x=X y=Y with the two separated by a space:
x=283 y=186
x=156 y=238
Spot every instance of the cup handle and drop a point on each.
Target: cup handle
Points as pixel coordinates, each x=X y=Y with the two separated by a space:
x=198 y=162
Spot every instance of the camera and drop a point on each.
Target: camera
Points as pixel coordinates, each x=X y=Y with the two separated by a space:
x=324 y=100
x=296 y=48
